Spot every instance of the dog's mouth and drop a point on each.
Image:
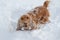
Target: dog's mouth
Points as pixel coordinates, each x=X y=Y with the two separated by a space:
x=25 y=24
x=23 y=27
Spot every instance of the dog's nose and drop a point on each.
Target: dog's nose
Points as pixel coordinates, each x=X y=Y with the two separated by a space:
x=25 y=24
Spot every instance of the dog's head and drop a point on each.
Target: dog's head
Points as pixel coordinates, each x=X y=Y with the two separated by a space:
x=24 y=23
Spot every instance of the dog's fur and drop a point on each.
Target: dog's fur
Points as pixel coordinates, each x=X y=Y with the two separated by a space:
x=29 y=21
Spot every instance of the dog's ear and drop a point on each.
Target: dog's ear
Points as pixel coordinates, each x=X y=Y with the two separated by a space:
x=46 y=3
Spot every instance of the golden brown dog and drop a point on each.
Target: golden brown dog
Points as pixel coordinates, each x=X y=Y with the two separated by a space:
x=30 y=21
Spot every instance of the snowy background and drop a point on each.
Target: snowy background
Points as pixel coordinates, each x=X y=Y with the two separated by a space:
x=11 y=10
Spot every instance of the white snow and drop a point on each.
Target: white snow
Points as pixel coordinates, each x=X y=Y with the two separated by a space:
x=11 y=10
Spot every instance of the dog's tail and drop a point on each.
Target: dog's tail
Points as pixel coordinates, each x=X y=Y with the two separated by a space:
x=46 y=3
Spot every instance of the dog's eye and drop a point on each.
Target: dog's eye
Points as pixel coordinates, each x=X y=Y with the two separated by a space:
x=21 y=18
x=27 y=17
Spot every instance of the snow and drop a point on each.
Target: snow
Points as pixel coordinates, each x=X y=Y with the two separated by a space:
x=11 y=10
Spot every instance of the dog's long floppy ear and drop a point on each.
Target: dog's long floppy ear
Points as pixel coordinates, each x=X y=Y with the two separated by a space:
x=46 y=3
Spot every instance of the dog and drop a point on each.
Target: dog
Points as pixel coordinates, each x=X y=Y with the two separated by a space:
x=30 y=21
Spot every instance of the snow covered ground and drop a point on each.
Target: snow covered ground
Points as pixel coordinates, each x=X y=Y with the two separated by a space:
x=11 y=10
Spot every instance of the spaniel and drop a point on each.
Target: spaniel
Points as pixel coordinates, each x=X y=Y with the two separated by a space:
x=30 y=21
